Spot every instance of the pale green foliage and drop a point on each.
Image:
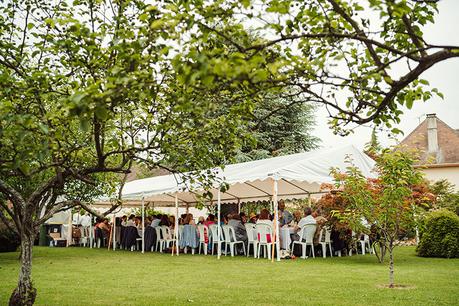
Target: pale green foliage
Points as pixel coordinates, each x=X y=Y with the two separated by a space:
x=386 y=203
x=447 y=197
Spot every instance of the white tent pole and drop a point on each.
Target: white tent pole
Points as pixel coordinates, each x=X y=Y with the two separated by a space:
x=219 y=248
x=276 y=219
x=143 y=224
x=176 y=230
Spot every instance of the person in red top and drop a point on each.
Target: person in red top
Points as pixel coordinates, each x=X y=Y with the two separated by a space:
x=264 y=219
x=209 y=221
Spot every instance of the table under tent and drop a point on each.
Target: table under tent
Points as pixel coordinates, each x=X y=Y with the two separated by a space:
x=295 y=176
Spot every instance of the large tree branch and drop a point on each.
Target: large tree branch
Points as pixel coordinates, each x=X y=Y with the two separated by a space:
x=11 y=194
x=416 y=40
x=397 y=86
x=337 y=8
x=7 y=223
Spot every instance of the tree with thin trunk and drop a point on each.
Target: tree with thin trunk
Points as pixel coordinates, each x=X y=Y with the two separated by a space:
x=391 y=203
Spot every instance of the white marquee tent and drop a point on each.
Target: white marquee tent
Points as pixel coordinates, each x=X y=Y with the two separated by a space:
x=285 y=177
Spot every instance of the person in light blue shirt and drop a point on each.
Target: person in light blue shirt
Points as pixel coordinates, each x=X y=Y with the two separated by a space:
x=285 y=217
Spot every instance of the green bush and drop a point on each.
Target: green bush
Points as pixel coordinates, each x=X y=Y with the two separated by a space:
x=440 y=235
x=9 y=241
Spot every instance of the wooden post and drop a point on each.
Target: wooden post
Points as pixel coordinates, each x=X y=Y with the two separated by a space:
x=176 y=229
x=143 y=224
x=276 y=223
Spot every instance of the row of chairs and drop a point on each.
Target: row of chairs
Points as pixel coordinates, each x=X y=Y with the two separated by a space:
x=260 y=239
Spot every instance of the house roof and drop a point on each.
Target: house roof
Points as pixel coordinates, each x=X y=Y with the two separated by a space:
x=448 y=143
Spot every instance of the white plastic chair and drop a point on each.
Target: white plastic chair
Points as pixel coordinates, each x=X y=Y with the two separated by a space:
x=252 y=237
x=230 y=239
x=262 y=231
x=214 y=236
x=202 y=238
x=167 y=237
x=364 y=242
x=306 y=238
x=325 y=240
x=159 y=240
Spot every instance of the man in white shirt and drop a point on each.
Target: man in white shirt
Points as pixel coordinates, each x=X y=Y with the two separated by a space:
x=85 y=222
x=307 y=219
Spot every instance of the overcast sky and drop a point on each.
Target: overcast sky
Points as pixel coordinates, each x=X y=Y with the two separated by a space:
x=444 y=76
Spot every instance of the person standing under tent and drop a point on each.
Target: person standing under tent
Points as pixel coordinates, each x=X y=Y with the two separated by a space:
x=85 y=222
x=285 y=217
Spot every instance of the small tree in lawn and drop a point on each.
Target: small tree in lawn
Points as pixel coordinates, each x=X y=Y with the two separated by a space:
x=388 y=202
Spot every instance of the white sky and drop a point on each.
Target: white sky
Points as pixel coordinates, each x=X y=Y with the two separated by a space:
x=444 y=76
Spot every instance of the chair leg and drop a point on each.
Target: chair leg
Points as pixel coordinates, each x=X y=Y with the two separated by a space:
x=324 y=250
x=258 y=251
x=303 y=251
x=255 y=249
x=243 y=248
x=232 y=249
x=205 y=248
x=199 y=248
x=331 y=253
x=313 y=251
x=268 y=250
x=362 y=245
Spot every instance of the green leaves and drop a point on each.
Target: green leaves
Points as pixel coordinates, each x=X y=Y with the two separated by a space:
x=278 y=6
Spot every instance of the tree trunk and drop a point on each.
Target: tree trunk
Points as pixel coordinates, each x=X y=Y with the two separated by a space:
x=391 y=264
x=25 y=293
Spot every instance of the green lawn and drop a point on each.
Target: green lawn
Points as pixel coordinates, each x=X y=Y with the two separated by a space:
x=78 y=276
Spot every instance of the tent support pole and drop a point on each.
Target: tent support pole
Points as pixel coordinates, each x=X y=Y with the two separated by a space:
x=219 y=247
x=176 y=227
x=114 y=232
x=143 y=224
x=276 y=223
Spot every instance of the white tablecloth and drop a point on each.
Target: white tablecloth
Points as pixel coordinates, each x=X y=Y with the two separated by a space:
x=284 y=235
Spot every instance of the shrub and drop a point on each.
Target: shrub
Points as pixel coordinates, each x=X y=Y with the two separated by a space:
x=9 y=241
x=440 y=235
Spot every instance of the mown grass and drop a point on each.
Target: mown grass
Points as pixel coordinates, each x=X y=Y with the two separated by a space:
x=78 y=276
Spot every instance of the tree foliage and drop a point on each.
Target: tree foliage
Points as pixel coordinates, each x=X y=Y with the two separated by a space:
x=281 y=125
x=392 y=203
x=447 y=197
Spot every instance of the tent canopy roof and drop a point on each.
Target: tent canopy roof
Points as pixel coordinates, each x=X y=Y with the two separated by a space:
x=298 y=175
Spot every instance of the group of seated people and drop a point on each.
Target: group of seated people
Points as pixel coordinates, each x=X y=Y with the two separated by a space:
x=294 y=221
x=233 y=219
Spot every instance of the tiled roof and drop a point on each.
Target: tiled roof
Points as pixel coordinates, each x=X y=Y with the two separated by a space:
x=448 y=143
